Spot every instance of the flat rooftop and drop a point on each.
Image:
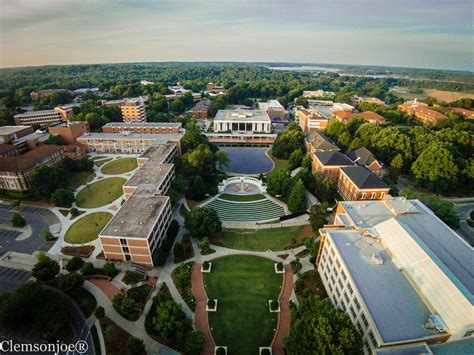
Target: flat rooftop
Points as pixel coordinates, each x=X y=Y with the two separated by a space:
x=160 y=138
x=136 y=217
x=145 y=124
x=157 y=153
x=7 y=130
x=452 y=253
x=149 y=177
x=39 y=112
x=397 y=310
x=242 y=116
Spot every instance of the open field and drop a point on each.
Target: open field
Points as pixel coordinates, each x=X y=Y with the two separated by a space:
x=120 y=166
x=87 y=228
x=259 y=239
x=242 y=286
x=448 y=96
x=100 y=193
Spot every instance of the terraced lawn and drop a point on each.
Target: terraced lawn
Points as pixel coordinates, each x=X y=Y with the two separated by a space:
x=120 y=166
x=242 y=198
x=260 y=210
x=87 y=228
x=242 y=285
x=100 y=193
x=259 y=239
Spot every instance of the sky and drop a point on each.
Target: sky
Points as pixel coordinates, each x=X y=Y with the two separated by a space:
x=410 y=33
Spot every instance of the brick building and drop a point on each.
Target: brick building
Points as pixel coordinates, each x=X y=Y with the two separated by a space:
x=133 y=111
x=359 y=183
x=369 y=116
x=329 y=163
x=143 y=127
x=69 y=131
x=43 y=117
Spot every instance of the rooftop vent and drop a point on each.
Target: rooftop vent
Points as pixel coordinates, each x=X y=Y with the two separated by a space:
x=435 y=323
x=376 y=259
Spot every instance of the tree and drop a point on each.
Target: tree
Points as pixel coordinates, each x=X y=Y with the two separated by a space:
x=324 y=190
x=170 y=321
x=178 y=251
x=202 y=222
x=99 y=312
x=44 y=180
x=318 y=215
x=109 y=269
x=74 y=264
x=68 y=282
x=194 y=343
x=289 y=141
x=63 y=197
x=279 y=182
x=54 y=140
x=128 y=306
x=87 y=269
x=135 y=346
x=177 y=106
x=18 y=220
x=198 y=189
x=435 y=168
x=45 y=269
x=204 y=245
x=297 y=198
x=192 y=138
x=318 y=328
x=307 y=163
x=295 y=159
x=47 y=235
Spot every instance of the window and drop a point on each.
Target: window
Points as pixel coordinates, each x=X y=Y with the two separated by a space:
x=125 y=249
x=346 y=297
x=349 y=287
x=364 y=320
x=123 y=241
x=364 y=196
x=343 y=275
x=354 y=315
x=340 y=284
x=357 y=304
x=468 y=333
x=372 y=195
x=359 y=328
x=372 y=339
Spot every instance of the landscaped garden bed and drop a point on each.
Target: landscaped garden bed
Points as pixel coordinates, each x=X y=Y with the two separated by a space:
x=206 y=267
x=296 y=266
x=115 y=338
x=132 y=277
x=83 y=251
x=279 y=268
x=310 y=281
x=243 y=285
x=182 y=280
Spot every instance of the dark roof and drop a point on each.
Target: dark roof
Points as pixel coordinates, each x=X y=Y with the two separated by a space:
x=5 y=148
x=363 y=178
x=320 y=141
x=363 y=156
x=29 y=159
x=333 y=158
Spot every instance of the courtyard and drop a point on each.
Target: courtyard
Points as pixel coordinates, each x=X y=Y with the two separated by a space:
x=119 y=166
x=87 y=228
x=100 y=193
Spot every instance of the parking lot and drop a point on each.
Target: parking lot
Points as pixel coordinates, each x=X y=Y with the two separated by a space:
x=12 y=278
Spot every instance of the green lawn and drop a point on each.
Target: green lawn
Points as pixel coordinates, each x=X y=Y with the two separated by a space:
x=101 y=162
x=120 y=166
x=279 y=163
x=100 y=193
x=259 y=239
x=81 y=178
x=242 y=286
x=242 y=198
x=87 y=228
x=99 y=157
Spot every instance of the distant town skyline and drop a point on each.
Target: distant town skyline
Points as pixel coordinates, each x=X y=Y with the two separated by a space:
x=416 y=33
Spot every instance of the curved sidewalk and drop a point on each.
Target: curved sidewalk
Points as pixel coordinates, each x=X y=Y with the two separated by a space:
x=284 y=319
x=201 y=320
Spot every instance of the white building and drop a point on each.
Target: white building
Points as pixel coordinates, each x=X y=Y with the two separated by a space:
x=43 y=117
x=242 y=122
x=318 y=93
x=399 y=272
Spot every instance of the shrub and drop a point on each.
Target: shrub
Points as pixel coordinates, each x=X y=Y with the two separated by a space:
x=68 y=282
x=312 y=259
x=109 y=269
x=220 y=351
x=128 y=306
x=87 y=269
x=45 y=269
x=18 y=221
x=299 y=285
x=265 y=352
x=62 y=197
x=280 y=266
x=74 y=264
x=159 y=257
x=117 y=300
x=211 y=303
x=99 y=312
x=205 y=265
x=274 y=305
x=74 y=212
x=47 y=235
x=178 y=251
x=194 y=343
x=135 y=346
x=132 y=277
x=204 y=245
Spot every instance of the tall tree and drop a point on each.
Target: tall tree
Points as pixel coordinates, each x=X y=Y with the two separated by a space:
x=297 y=198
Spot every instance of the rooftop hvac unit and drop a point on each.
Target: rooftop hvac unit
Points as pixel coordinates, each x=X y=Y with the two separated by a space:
x=435 y=323
x=376 y=259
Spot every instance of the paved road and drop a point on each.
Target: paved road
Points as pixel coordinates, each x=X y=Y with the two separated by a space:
x=36 y=218
x=12 y=278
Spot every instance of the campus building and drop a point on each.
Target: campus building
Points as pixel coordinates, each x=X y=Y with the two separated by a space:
x=364 y=157
x=140 y=225
x=8 y=150
x=460 y=111
x=318 y=142
x=402 y=276
x=201 y=109
x=8 y=134
x=318 y=93
x=43 y=117
x=355 y=100
x=421 y=112
x=133 y=111
x=359 y=183
x=275 y=110
x=69 y=131
x=126 y=142
x=143 y=127
x=15 y=171
x=36 y=94
x=310 y=119
x=329 y=163
x=242 y=122
x=214 y=90
x=369 y=116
